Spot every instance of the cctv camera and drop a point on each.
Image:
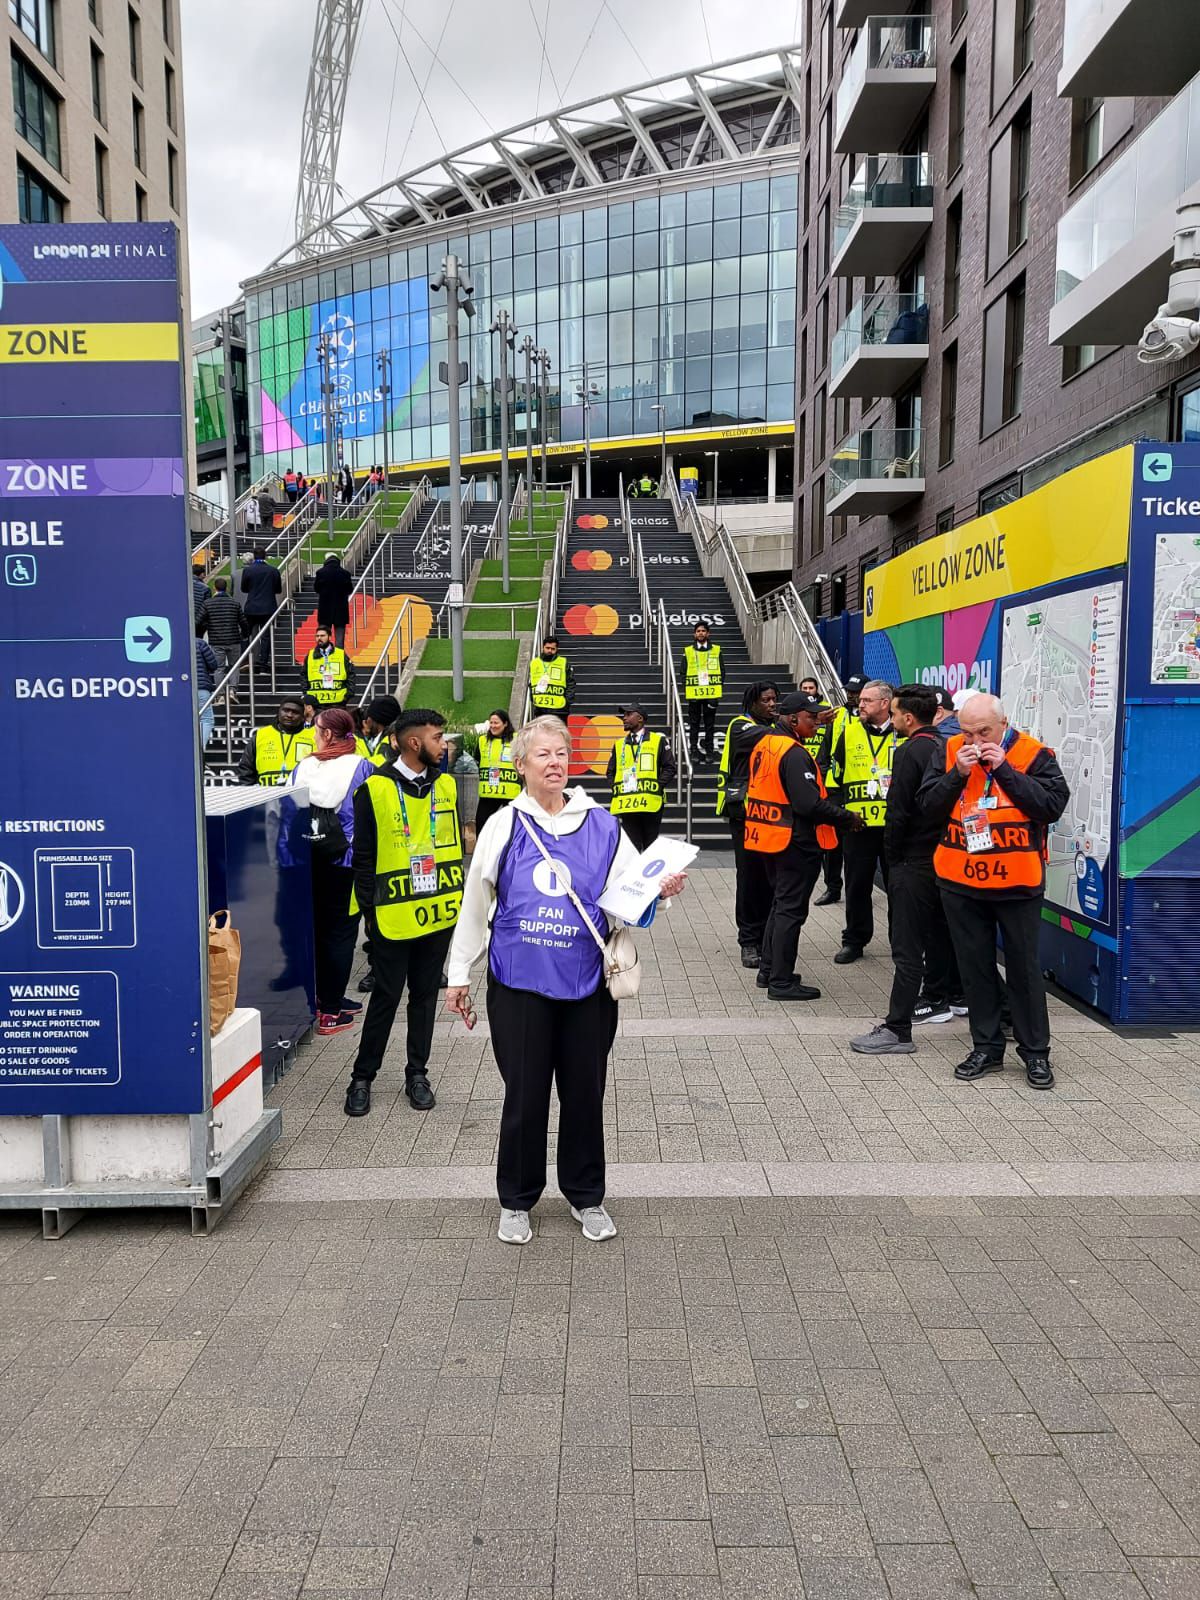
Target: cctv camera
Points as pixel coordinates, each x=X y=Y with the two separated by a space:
x=439 y=282
x=822 y=577
x=1174 y=332
x=1168 y=338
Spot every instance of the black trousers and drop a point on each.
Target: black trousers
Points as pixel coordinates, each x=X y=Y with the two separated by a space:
x=862 y=853
x=538 y=1042
x=752 y=895
x=920 y=942
x=793 y=875
x=706 y=709
x=484 y=809
x=641 y=827
x=257 y=628
x=335 y=932
x=396 y=963
x=832 y=867
x=974 y=921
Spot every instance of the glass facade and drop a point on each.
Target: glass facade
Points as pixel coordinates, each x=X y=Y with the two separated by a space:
x=685 y=299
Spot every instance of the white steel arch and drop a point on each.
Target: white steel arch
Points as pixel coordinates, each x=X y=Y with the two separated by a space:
x=335 y=33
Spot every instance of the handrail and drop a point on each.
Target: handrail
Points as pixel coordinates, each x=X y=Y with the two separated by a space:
x=371 y=577
x=467 y=498
x=549 y=611
x=239 y=507
x=643 y=583
x=369 y=688
x=675 y=727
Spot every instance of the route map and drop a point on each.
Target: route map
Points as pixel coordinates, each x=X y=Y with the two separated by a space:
x=1175 y=648
x=1060 y=681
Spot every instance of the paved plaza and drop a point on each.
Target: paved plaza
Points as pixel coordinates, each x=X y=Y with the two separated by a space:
x=865 y=1333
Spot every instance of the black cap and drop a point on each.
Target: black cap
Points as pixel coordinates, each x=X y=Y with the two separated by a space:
x=855 y=681
x=945 y=699
x=791 y=703
x=632 y=706
x=384 y=709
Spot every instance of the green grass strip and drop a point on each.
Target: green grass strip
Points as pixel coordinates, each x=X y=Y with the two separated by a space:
x=479 y=655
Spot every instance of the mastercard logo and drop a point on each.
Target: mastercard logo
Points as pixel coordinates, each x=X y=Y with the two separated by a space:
x=591 y=561
x=590 y=619
x=593 y=522
x=592 y=739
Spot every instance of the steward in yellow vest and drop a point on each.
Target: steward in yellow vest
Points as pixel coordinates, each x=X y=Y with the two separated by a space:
x=329 y=674
x=702 y=674
x=378 y=717
x=551 y=682
x=408 y=879
x=274 y=749
x=499 y=780
x=639 y=767
x=861 y=754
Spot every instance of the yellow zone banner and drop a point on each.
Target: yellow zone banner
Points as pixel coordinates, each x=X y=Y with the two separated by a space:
x=45 y=343
x=646 y=442
x=1077 y=523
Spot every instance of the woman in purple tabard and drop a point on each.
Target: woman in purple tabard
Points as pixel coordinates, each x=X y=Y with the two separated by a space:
x=551 y=1016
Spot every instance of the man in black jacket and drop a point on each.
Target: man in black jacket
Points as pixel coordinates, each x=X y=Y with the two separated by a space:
x=224 y=625
x=262 y=586
x=334 y=586
x=917 y=924
x=752 y=894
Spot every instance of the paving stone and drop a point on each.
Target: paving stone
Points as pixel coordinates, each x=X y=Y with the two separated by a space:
x=760 y=1574
x=675 y=1549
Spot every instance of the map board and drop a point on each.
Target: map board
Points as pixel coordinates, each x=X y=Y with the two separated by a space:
x=1175 y=645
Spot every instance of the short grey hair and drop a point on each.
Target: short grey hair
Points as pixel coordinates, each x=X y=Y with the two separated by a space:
x=548 y=727
x=881 y=684
x=993 y=703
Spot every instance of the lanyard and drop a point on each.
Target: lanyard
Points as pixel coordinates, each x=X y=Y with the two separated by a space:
x=884 y=737
x=1006 y=745
x=433 y=815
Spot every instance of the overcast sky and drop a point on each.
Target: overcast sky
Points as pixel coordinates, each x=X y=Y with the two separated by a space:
x=479 y=64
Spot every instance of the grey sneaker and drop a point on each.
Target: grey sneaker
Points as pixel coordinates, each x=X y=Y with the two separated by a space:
x=595 y=1222
x=514 y=1227
x=881 y=1041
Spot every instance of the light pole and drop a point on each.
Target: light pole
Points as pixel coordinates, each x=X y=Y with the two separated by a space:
x=383 y=361
x=529 y=351
x=587 y=392
x=543 y=409
x=325 y=355
x=223 y=333
x=716 y=467
x=453 y=375
x=503 y=325
x=662 y=474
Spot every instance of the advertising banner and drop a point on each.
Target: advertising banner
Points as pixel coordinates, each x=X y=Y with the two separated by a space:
x=101 y=984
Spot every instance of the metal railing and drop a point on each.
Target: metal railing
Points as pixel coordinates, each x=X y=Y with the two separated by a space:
x=372 y=581
x=648 y=615
x=398 y=644
x=547 y=612
x=219 y=536
x=676 y=731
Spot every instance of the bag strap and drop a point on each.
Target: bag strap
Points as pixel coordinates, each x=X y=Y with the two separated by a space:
x=578 y=904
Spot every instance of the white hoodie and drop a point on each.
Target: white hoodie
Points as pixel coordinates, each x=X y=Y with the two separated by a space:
x=479 y=896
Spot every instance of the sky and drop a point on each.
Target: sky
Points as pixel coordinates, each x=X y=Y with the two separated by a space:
x=468 y=68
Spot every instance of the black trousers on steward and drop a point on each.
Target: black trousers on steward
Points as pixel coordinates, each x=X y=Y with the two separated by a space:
x=539 y=1042
x=920 y=943
x=974 y=920
x=705 y=710
x=752 y=895
x=793 y=874
x=641 y=827
x=862 y=853
x=397 y=964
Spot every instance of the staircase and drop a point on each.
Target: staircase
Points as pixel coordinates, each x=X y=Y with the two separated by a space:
x=602 y=633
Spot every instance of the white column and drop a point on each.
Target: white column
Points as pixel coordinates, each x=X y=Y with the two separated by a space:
x=771 y=475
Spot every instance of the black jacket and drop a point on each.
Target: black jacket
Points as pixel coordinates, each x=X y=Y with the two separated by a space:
x=200 y=598
x=333 y=585
x=908 y=834
x=667 y=767
x=208 y=668
x=798 y=774
x=365 y=835
x=261 y=584
x=1041 y=792
x=222 y=619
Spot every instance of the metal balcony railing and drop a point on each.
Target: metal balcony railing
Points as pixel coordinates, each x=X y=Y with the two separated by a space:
x=876 y=453
x=880 y=319
x=890 y=44
x=883 y=183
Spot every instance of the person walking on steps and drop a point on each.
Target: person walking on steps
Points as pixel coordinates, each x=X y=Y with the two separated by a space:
x=539 y=869
x=262 y=585
x=225 y=628
x=995 y=797
x=408 y=879
x=334 y=586
x=916 y=921
x=788 y=820
x=831 y=726
x=702 y=690
x=752 y=894
x=551 y=681
x=861 y=758
x=328 y=673
x=499 y=780
x=640 y=765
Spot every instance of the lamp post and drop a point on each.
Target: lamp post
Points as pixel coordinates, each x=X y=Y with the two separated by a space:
x=662 y=471
x=543 y=409
x=325 y=355
x=453 y=375
x=716 y=459
x=223 y=334
x=587 y=392
x=503 y=325
x=383 y=361
x=529 y=351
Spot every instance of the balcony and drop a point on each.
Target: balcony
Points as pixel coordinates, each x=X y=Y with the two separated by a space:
x=1115 y=243
x=1128 y=47
x=880 y=347
x=886 y=84
x=887 y=211
x=853 y=13
x=876 y=472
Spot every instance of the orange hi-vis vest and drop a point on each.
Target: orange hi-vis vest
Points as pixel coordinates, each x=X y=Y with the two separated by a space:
x=768 y=809
x=1016 y=858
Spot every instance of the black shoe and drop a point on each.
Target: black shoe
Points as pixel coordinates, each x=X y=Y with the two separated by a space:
x=751 y=955
x=793 y=991
x=420 y=1096
x=829 y=898
x=763 y=981
x=366 y=983
x=358 y=1098
x=847 y=954
x=977 y=1065
x=1038 y=1073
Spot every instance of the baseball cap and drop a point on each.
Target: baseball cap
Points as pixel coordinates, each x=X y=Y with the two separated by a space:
x=855 y=681
x=945 y=699
x=633 y=705
x=791 y=703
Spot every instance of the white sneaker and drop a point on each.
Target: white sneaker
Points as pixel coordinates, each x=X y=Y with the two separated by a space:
x=595 y=1222
x=514 y=1227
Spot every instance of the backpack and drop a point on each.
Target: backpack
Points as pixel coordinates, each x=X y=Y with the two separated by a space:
x=326 y=836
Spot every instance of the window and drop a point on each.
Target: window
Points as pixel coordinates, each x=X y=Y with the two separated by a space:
x=1097 y=126
x=98 y=84
x=101 y=179
x=1023 y=42
x=949 y=412
x=1003 y=358
x=999 y=494
x=35 y=110
x=816 y=536
x=818 y=434
x=36 y=201
x=1077 y=358
x=140 y=205
x=94 y=14
x=173 y=177
x=954 y=228
x=135 y=45
x=837 y=594
x=35 y=18
x=168 y=25
x=823 y=240
x=958 y=111
x=139 y=136
x=821 y=332
x=841 y=420
x=945 y=520
x=1008 y=191
x=864 y=566
x=169 y=95
x=1018 y=205
x=1012 y=45
x=958 y=11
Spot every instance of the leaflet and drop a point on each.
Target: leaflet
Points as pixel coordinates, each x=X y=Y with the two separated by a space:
x=639 y=884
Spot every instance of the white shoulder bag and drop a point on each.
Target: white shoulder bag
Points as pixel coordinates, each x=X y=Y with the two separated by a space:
x=622 y=969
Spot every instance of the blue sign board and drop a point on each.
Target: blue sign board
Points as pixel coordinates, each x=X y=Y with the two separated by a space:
x=101 y=984
x=1164 y=559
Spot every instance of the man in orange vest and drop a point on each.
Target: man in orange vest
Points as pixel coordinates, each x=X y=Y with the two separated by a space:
x=999 y=793
x=790 y=820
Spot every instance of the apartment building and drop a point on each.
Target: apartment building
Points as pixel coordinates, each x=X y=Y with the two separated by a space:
x=987 y=216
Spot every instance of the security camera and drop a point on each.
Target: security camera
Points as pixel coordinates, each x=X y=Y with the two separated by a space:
x=1168 y=338
x=822 y=577
x=439 y=282
x=1175 y=333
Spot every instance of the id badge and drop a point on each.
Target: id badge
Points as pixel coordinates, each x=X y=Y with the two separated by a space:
x=424 y=874
x=702 y=680
x=872 y=788
x=629 y=782
x=541 y=686
x=978 y=831
x=885 y=783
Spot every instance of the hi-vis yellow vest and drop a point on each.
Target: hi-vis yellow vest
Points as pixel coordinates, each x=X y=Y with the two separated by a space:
x=498 y=777
x=813 y=744
x=276 y=753
x=726 y=756
x=706 y=664
x=326 y=676
x=380 y=753
x=648 y=795
x=866 y=771
x=548 y=684
x=401 y=911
